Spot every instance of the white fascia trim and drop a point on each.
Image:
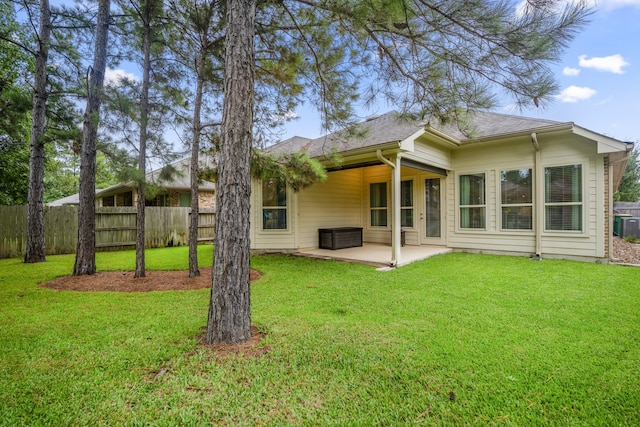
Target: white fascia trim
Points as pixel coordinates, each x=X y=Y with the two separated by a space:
x=441 y=136
x=605 y=143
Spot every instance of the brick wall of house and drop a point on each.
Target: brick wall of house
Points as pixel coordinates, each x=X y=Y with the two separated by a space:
x=174 y=199
x=206 y=199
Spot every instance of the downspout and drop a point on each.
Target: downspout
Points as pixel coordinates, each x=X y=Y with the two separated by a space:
x=611 y=218
x=395 y=200
x=539 y=195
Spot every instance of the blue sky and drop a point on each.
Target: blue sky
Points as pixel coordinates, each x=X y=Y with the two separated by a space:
x=599 y=78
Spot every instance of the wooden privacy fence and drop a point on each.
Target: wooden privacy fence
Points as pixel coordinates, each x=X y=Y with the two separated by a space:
x=115 y=228
x=630 y=208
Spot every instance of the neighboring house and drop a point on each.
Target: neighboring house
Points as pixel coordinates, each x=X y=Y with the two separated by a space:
x=72 y=200
x=175 y=192
x=504 y=184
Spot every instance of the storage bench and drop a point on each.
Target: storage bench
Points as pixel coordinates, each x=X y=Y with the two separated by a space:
x=340 y=237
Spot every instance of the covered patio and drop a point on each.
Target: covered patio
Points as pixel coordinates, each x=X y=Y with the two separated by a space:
x=377 y=254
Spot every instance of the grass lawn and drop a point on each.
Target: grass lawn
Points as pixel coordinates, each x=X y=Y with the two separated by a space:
x=457 y=339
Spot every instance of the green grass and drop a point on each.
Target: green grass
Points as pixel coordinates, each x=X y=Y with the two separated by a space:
x=458 y=339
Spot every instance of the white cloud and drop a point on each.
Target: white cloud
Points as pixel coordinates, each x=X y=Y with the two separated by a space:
x=576 y=93
x=114 y=77
x=568 y=71
x=285 y=116
x=612 y=63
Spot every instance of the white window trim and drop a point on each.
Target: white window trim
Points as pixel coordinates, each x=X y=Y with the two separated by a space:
x=287 y=208
x=500 y=205
x=413 y=200
x=369 y=208
x=585 y=196
x=458 y=206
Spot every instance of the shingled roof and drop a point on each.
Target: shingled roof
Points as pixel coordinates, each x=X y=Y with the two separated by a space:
x=392 y=127
x=481 y=124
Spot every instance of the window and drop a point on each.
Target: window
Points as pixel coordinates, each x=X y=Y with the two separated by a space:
x=126 y=199
x=109 y=201
x=406 y=203
x=378 y=204
x=159 y=200
x=274 y=205
x=185 y=200
x=563 y=198
x=517 y=200
x=472 y=201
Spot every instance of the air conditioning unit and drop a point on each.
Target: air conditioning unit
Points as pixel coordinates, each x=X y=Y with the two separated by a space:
x=630 y=227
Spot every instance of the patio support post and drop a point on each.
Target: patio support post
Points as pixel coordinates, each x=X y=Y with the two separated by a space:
x=396 y=227
x=396 y=177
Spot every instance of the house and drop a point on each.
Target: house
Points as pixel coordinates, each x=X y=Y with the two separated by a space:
x=72 y=200
x=175 y=192
x=499 y=184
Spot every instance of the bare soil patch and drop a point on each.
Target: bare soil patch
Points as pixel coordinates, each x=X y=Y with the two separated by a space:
x=247 y=350
x=123 y=281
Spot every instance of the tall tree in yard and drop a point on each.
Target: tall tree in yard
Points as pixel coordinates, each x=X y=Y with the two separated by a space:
x=35 y=250
x=53 y=118
x=146 y=26
x=428 y=58
x=136 y=111
x=198 y=46
x=229 y=317
x=85 y=249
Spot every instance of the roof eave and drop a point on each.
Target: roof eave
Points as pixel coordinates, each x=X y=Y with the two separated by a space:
x=441 y=136
x=605 y=144
x=387 y=148
x=561 y=127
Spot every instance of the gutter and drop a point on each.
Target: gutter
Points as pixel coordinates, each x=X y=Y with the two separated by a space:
x=545 y=129
x=443 y=136
x=387 y=146
x=384 y=159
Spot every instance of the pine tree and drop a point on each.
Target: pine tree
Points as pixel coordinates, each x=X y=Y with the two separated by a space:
x=137 y=110
x=85 y=249
x=35 y=249
x=229 y=317
x=434 y=59
x=199 y=45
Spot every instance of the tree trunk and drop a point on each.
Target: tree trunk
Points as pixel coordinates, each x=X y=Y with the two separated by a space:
x=35 y=250
x=86 y=245
x=195 y=155
x=229 y=317
x=144 y=120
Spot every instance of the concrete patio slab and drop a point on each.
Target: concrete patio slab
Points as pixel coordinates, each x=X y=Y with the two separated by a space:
x=377 y=254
